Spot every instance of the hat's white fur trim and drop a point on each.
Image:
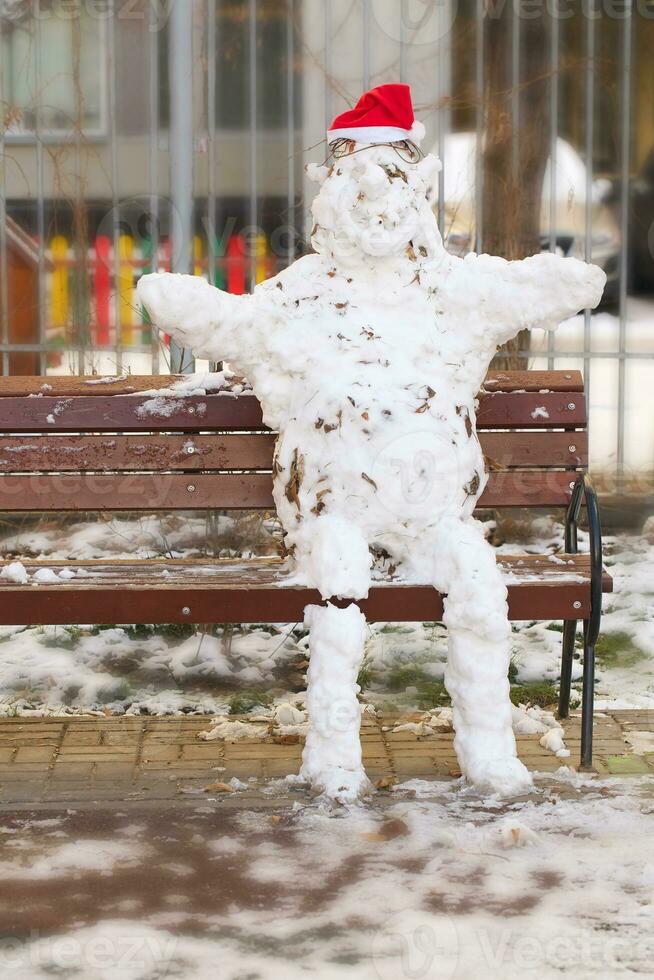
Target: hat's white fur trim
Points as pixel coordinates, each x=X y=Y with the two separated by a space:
x=374 y=134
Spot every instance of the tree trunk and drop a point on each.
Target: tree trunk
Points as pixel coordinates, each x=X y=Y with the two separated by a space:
x=514 y=160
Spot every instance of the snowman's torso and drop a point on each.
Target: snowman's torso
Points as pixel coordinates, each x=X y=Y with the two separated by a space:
x=372 y=387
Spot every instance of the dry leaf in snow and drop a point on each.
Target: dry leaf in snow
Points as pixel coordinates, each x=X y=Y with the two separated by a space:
x=389 y=830
x=386 y=782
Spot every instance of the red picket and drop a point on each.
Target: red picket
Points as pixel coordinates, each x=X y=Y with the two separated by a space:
x=236 y=265
x=102 y=288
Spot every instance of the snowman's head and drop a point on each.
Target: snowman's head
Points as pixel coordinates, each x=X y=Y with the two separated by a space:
x=373 y=202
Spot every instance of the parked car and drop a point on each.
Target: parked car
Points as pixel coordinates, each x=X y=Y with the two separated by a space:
x=570 y=212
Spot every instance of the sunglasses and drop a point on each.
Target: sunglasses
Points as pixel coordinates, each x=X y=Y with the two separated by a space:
x=405 y=149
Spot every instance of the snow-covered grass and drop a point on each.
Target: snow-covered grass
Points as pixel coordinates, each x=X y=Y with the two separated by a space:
x=172 y=535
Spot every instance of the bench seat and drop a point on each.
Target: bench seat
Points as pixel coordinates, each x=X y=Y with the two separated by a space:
x=160 y=444
x=258 y=590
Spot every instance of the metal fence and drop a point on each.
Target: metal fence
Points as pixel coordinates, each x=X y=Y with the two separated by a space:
x=143 y=134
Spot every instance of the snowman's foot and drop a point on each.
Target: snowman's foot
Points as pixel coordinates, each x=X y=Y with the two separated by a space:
x=502 y=777
x=341 y=785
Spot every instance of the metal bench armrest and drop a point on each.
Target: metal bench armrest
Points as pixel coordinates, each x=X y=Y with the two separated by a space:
x=585 y=491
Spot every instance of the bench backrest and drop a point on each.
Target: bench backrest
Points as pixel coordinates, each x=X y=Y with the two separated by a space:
x=84 y=444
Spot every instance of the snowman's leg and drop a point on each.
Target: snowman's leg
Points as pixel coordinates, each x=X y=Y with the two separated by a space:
x=331 y=760
x=476 y=676
x=336 y=559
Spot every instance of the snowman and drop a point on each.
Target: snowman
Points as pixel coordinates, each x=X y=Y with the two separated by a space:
x=366 y=357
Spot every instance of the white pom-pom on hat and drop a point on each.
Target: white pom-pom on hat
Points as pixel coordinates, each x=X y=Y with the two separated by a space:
x=417 y=132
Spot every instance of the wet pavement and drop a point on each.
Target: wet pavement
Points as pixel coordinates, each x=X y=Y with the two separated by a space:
x=424 y=880
x=131 y=849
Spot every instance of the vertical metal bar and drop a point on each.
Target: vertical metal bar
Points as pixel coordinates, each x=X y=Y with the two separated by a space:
x=479 y=94
x=80 y=248
x=153 y=161
x=4 y=264
x=40 y=196
x=254 y=210
x=403 y=18
x=212 y=15
x=444 y=84
x=366 y=45
x=328 y=64
x=625 y=155
x=590 y=149
x=115 y=204
x=567 y=653
x=515 y=86
x=588 y=697
x=554 y=136
x=181 y=154
x=290 y=114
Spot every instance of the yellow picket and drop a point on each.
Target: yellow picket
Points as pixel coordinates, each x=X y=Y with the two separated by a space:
x=59 y=298
x=261 y=255
x=197 y=256
x=126 y=288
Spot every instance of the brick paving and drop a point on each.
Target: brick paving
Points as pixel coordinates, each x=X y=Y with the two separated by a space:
x=86 y=760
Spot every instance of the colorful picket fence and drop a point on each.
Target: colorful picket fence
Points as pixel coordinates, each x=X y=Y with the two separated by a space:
x=113 y=317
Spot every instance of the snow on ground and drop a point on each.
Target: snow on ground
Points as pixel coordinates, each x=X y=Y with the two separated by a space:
x=72 y=858
x=119 y=669
x=158 y=671
x=151 y=536
x=428 y=881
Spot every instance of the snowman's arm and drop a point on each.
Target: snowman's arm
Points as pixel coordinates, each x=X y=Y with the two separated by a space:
x=209 y=322
x=540 y=291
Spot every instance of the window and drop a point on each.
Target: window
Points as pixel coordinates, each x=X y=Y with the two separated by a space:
x=272 y=56
x=56 y=85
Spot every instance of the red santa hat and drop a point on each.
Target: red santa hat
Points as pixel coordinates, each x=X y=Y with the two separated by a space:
x=383 y=115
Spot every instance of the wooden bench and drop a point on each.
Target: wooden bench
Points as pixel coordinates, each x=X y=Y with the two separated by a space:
x=77 y=444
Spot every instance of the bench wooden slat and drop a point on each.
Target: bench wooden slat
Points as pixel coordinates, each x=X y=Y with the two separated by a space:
x=131 y=413
x=137 y=413
x=534 y=381
x=135 y=491
x=270 y=569
x=242 y=451
x=92 y=385
x=535 y=448
x=229 y=491
x=532 y=410
x=71 y=453
x=205 y=591
x=84 y=385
